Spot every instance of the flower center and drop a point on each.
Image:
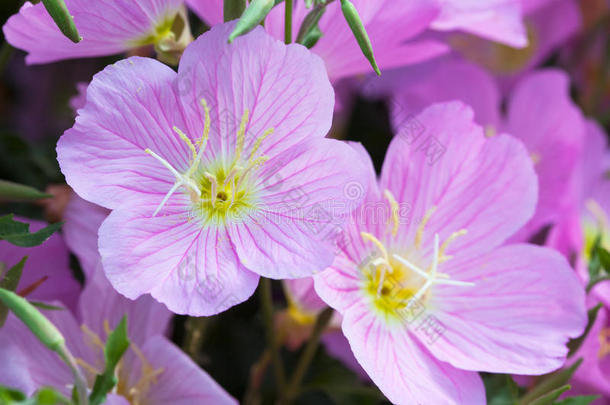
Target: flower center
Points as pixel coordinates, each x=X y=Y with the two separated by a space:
x=221 y=190
x=396 y=283
x=134 y=393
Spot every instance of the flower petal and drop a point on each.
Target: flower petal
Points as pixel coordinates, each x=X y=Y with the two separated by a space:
x=182 y=382
x=191 y=268
x=309 y=192
x=284 y=88
x=106 y=26
x=131 y=106
x=475 y=183
x=402 y=368
x=525 y=305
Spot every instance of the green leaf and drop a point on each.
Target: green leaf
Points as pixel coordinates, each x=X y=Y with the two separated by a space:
x=11 y=396
x=10 y=191
x=579 y=400
x=233 y=9
x=10 y=282
x=40 y=326
x=355 y=23
x=574 y=344
x=44 y=396
x=550 y=397
x=549 y=383
x=61 y=15
x=594 y=261
x=309 y=33
x=500 y=389
x=116 y=345
x=253 y=15
x=604 y=259
x=18 y=233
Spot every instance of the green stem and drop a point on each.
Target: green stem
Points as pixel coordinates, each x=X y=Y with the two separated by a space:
x=79 y=379
x=306 y=358
x=267 y=306
x=5 y=55
x=288 y=22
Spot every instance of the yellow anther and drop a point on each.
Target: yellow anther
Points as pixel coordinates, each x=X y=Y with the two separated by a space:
x=88 y=367
x=371 y=238
x=258 y=143
x=241 y=135
x=186 y=140
x=93 y=337
x=394 y=207
x=207 y=122
x=451 y=238
x=419 y=234
x=148 y=376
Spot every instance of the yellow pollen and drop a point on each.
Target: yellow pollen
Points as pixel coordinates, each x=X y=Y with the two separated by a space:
x=206 y=123
x=451 y=238
x=419 y=234
x=258 y=143
x=371 y=238
x=186 y=140
x=395 y=209
x=241 y=135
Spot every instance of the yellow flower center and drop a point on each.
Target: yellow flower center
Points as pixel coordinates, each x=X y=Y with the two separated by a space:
x=220 y=191
x=396 y=284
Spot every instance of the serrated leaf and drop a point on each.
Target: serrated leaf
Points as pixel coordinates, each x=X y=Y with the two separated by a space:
x=579 y=400
x=550 y=397
x=574 y=344
x=10 y=281
x=61 y=15
x=116 y=345
x=18 y=233
x=10 y=191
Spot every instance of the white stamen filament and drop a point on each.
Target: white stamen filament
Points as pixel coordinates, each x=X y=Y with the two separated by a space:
x=213 y=188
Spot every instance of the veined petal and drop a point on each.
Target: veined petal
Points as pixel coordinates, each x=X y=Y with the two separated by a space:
x=181 y=382
x=308 y=193
x=106 y=26
x=441 y=164
x=525 y=305
x=284 y=88
x=131 y=106
x=402 y=368
x=188 y=267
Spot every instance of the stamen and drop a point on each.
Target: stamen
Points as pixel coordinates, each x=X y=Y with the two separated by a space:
x=394 y=207
x=88 y=367
x=420 y=229
x=258 y=143
x=186 y=140
x=241 y=135
x=93 y=337
x=167 y=196
x=206 y=123
x=164 y=163
x=371 y=238
x=446 y=243
x=213 y=188
x=148 y=374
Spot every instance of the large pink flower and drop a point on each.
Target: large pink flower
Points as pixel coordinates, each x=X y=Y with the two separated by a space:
x=428 y=292
x=214 y=175
x=106 y=26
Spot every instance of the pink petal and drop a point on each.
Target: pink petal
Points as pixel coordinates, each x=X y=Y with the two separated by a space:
x=210 y=11
x=182 y=382
x=402 y=368
x=524 y=307
x=302 y=293
x=306 y=202
x=497 y=20
x=283 y=87
x=106 y=26
x=188 y=267
x=441 y=159
x=131 y=106
x=543 y=116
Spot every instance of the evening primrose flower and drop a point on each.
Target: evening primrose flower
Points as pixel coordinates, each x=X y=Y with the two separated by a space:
x=152 y=371
x=430 y=295
x=107 y=27
x=216 y=174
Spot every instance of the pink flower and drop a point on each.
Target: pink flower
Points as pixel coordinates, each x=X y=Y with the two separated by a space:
x=215 y=175
x=428 y=291
x=46 y=275
x=152 y=371
x=106 y=26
